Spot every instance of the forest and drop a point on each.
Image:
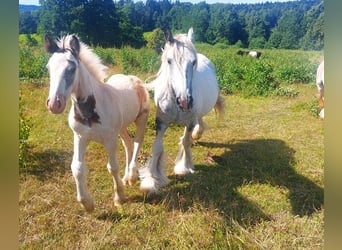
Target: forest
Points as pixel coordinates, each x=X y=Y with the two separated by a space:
x=108 y=23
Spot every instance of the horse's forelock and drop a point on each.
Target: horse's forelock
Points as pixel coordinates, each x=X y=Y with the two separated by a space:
x=180 y=41
x=86 y=55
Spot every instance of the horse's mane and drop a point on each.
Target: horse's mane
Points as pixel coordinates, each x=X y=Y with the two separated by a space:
x=90 y=60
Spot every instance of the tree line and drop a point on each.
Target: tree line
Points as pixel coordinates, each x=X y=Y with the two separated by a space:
x=108 y=23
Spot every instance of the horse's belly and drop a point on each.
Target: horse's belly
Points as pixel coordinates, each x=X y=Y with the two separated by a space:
x=99 y=132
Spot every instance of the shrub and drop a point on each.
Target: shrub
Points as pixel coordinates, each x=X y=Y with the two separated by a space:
x=138 y=60
x=155 y=39
x=32 y=62
x=244 y=75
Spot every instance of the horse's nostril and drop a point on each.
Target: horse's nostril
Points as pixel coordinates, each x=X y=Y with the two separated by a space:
x=59 y=103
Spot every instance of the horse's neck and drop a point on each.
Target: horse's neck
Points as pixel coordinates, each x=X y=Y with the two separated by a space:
x=87 y=84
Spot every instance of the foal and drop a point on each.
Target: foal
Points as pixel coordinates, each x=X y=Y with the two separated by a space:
x=99 y=111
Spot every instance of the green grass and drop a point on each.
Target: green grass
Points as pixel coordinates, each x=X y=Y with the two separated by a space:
x=258 y=183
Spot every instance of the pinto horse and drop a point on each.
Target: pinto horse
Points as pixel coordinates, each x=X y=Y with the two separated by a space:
x=255 y=54
x=320 y=87
x=186 y=89
x=100 y=111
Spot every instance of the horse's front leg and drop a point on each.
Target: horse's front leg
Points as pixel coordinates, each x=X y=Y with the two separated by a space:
x=79 y=171
x=183 y=163
x=113 y=169
x=153 y=176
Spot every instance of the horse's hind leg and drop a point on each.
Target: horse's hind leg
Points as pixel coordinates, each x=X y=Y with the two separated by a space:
x=199 y=129
x=128 y=145
x=113 y=168
x=79 y=171
x=183 y=161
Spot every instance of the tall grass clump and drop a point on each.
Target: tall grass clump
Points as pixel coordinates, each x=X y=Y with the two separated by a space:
x=108 y=55
x=24 y=133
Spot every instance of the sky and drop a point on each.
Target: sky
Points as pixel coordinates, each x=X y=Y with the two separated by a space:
x=36 y=2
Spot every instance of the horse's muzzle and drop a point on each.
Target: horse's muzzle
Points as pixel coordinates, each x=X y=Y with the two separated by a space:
x=56 y=105
x=185 y=104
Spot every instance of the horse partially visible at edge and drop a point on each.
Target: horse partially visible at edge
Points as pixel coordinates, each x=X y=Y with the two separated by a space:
x=320 y=88
x=100 y=111
x=185 y=90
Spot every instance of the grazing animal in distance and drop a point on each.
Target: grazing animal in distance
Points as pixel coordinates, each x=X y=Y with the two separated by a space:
x=255 y=54
x=186 y=89
x=99 y=111
x=242 y=52
x=320 y=88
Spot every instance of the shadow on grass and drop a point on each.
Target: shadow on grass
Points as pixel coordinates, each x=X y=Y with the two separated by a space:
x=266 y=161
x=48 y=163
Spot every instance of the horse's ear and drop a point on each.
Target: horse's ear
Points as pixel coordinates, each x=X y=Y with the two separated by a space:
x=50 y=45
x=191 y=35
x=75 y=45
x=168 y=36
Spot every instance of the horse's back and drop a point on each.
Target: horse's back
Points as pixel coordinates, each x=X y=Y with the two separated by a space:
x=131 y=93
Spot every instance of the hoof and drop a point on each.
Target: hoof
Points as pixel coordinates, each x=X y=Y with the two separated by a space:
x=88 y=205
x=148 y=188
x=119 y=202
x=130 y=180
x=181 y=170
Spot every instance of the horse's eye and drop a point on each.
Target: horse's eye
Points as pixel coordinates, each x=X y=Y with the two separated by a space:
x=194 y=62
x=169 y=61
x=71 y=68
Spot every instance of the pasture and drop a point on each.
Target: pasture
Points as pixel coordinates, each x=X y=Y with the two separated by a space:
x=258 y=181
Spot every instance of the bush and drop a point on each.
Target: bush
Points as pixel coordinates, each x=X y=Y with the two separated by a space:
x=32 y=62
x=155 y=39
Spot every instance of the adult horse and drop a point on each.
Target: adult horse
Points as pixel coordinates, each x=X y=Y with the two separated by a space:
x=186 y=89
x=99 y=111
x=255 y=54
x=320 y=87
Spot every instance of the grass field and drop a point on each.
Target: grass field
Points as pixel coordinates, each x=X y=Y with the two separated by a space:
x=258 y=183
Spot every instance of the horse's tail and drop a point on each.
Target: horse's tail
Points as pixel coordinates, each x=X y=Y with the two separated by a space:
x=220 y=107
x=150 y=86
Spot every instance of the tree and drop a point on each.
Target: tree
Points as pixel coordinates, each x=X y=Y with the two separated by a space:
x=59 y=17
x=101 y=23
x=289 y=31
x=314 y=36
x=28 y=22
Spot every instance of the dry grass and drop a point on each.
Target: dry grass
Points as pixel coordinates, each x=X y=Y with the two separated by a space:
x=258 y=184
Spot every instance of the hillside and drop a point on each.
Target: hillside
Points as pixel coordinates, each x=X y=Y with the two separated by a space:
x=24 y=7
